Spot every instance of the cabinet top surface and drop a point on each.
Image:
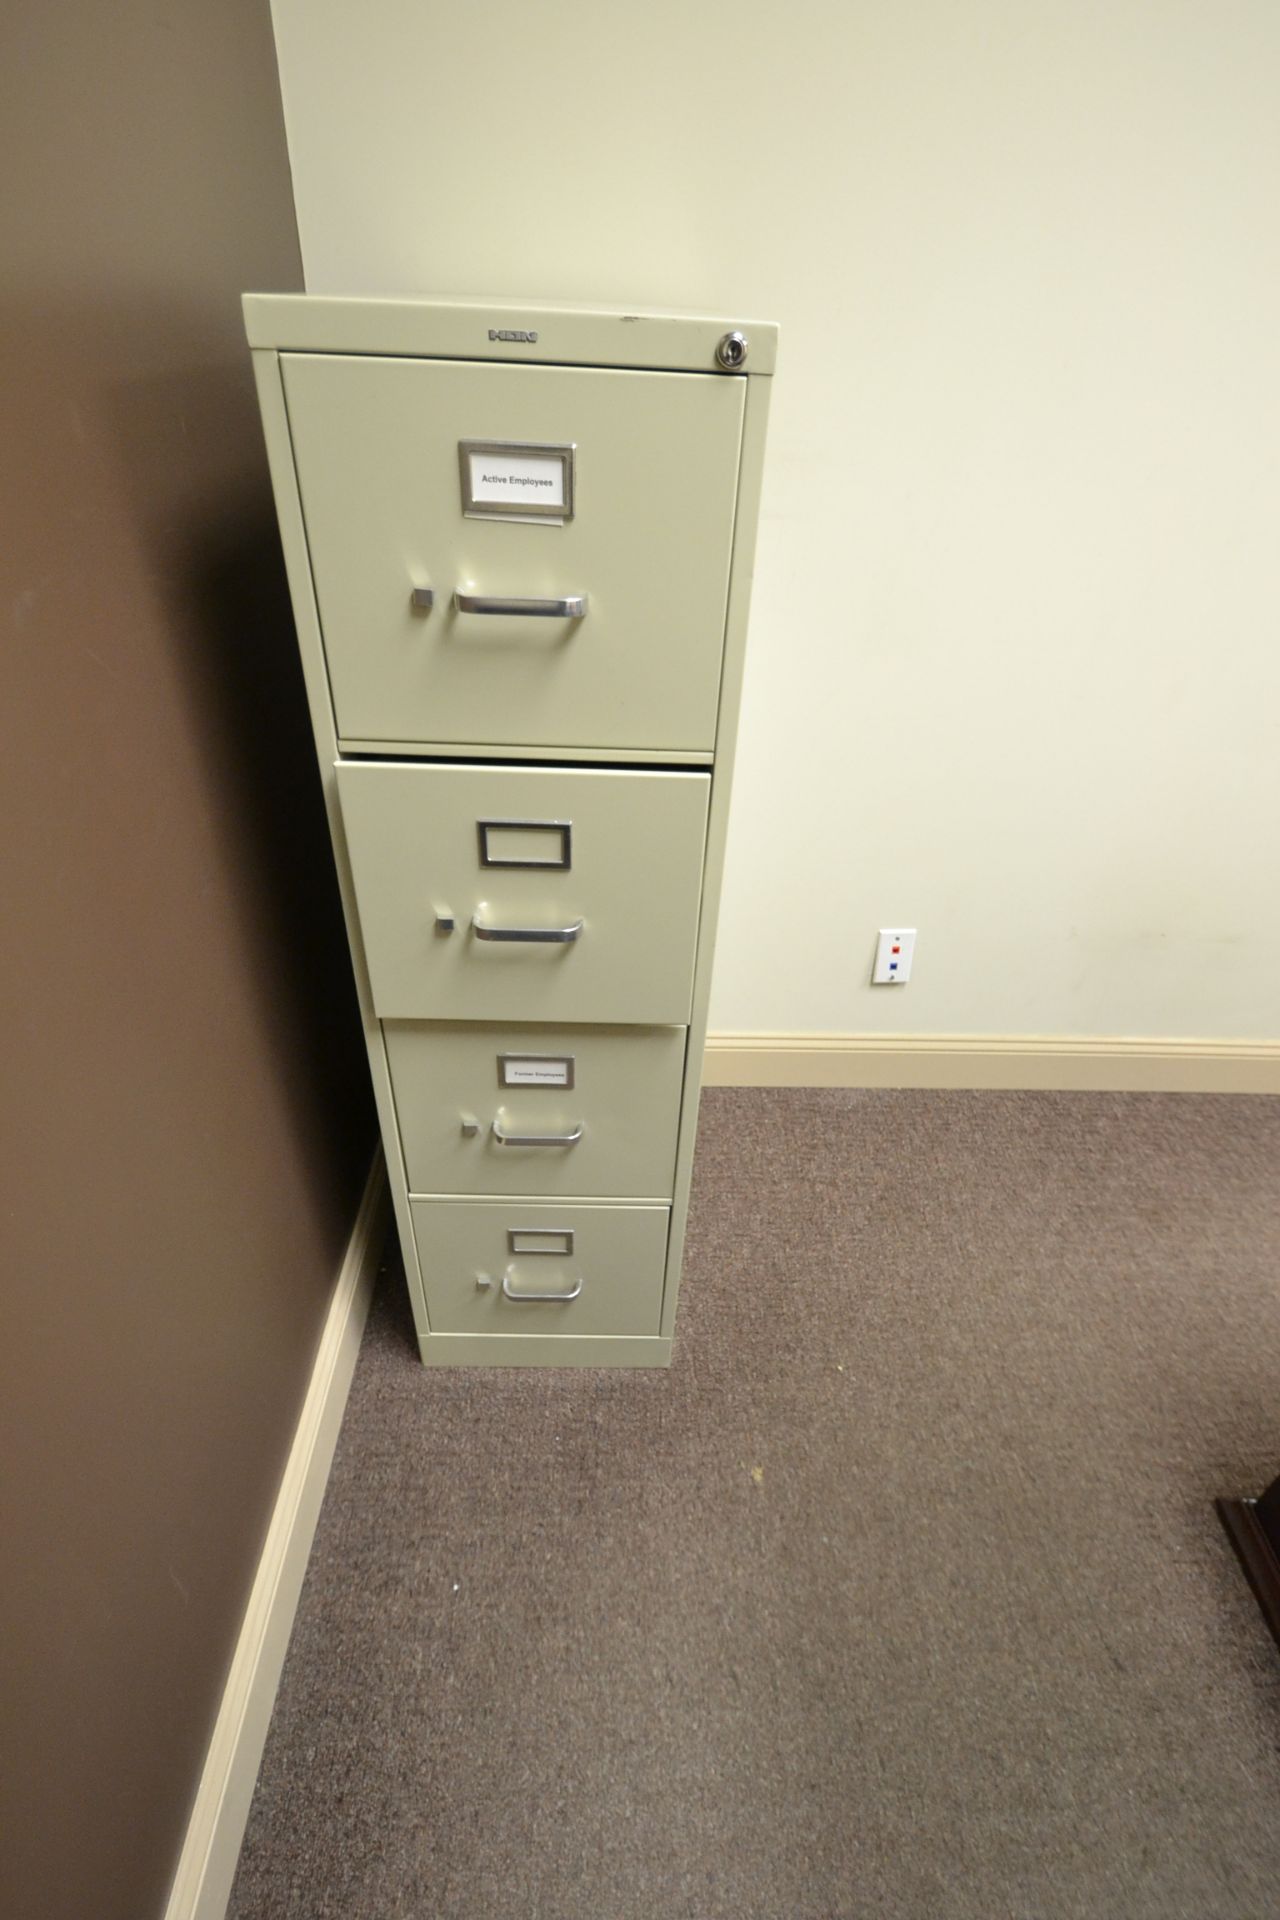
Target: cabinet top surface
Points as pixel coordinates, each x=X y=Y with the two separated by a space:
x=506 y=330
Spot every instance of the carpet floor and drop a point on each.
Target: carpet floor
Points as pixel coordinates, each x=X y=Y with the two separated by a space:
x=900 y=1595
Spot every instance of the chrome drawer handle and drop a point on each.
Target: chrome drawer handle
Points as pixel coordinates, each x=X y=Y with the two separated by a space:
x=572 y=607
x=502 y=1139
x=559 y=936
x=512 y=1294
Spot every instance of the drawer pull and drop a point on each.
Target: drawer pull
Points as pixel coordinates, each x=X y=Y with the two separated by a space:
x=513 y=1294
x=559 y=936
x=502 y=1139
x=572 y=607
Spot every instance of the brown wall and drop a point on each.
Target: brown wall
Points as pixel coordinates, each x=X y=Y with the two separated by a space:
x=186 y=1120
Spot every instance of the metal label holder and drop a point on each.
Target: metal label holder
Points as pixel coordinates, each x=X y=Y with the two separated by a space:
x=553 y=1240
x=560 y=864
x=529 y=508
x=563 y=1083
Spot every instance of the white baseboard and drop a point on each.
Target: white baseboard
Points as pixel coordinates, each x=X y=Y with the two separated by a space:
x=202 y=1884
x=1086 y=1064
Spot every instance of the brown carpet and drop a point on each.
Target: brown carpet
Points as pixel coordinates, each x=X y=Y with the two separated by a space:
x=900 y=1595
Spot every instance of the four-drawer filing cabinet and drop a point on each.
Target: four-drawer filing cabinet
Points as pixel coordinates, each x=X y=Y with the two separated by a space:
x=520 y=545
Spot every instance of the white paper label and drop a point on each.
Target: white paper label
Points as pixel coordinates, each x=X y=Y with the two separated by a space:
x=534 y=1072
x=516 y=479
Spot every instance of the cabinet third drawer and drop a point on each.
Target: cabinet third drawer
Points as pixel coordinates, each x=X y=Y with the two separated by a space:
x=591 y=1111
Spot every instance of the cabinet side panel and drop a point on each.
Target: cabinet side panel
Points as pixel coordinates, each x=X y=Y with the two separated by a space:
x=275 y=426
x=750 y=475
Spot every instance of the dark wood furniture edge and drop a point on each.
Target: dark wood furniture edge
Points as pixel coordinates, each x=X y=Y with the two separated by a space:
x=1256 y=1554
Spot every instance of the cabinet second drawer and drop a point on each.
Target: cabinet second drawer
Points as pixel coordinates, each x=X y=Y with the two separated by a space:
x=526 y=893
x=537 y=1110
x=527 y=1266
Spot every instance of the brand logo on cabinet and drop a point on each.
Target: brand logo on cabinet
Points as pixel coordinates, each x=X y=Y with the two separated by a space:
x=513 y=333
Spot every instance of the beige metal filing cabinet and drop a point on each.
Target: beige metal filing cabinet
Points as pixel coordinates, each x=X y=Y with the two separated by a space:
x=520 y=543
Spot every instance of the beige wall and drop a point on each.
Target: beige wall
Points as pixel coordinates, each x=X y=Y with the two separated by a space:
x=184 y=1102
x=1014 y=675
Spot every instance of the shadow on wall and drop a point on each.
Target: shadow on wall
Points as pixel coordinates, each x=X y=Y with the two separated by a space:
x=249 y=688
x=177 y=864
x=216 y=558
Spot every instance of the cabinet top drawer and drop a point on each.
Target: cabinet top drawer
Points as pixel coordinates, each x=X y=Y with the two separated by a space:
x=572 y=527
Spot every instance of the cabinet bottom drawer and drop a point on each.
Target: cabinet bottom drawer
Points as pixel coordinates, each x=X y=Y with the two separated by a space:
x=538 y=1267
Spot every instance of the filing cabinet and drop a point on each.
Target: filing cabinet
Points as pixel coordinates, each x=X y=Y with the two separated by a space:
x=520 y=544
